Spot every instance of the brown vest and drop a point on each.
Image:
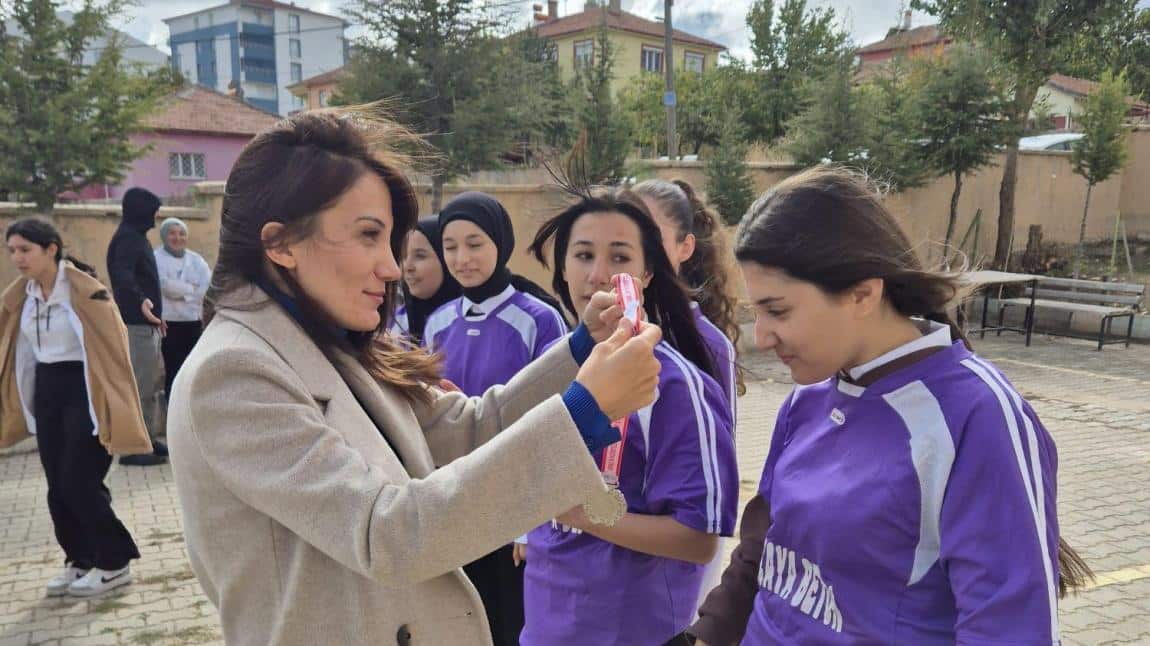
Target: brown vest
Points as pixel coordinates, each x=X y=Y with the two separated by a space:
x=111 y=384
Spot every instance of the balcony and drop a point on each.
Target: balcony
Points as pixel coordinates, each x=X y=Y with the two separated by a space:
x=258 y=73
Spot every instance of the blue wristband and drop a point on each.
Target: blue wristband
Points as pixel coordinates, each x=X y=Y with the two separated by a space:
x=581 y=343
x=592 y=423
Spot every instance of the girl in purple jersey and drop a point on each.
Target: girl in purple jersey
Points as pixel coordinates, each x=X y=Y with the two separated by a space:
x=697 y=247
x=908 y=495
x=499 y=324
x=637 y=582
x=426 y=282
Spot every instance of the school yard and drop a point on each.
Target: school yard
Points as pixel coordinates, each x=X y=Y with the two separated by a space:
x=1096 y=404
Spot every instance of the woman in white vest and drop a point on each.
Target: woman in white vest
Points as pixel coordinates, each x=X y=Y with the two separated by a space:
x=184 y=279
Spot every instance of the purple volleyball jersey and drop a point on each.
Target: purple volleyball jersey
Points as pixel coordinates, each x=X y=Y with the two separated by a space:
x=678 y=461
x=481 y=352
x=918 y=510
x=723 y=355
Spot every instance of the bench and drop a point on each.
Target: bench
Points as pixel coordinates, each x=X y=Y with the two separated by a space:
x=1108 y=300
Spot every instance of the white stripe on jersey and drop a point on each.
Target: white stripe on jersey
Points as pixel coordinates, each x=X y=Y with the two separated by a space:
x=705 y=420
x=932 y=452
x=644 y=415
x=1039 y=491
x=558 y=317
x=732 y=383
x=523 y=323
x=439 y=321
x=1009 y=413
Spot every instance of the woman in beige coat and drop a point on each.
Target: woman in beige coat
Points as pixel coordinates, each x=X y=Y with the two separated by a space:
x=330 y=491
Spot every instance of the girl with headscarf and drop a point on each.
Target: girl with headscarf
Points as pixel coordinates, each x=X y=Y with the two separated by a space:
x=501 y=323
x=426 y=282
x=184 y=279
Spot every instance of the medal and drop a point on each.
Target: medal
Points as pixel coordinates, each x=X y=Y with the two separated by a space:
x=610 y=508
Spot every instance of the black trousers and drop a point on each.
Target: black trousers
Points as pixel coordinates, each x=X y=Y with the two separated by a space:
x=75 y=464
x=500 y=585
x=176 y=346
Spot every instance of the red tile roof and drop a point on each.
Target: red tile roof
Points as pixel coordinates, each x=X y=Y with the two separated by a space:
x=1082 y=87
x=917 y=37
x=324 y=78
x=202 y=110
x=618 y=20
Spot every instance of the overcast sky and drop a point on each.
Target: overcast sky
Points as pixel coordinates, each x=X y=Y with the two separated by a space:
x=720 y=20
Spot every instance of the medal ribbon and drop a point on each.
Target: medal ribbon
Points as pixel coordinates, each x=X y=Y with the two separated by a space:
x=627 y=295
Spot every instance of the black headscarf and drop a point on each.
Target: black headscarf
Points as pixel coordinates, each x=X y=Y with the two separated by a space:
x=418 y=309
x=488 y=214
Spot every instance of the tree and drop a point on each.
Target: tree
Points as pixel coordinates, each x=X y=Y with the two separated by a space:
x=1031 y=39
x=700 y=98
x=65 y=125
x=598 y=118
x=448 y=66
x=960 y=122
x=832 y=125
x=791 y=45
x=1124 y=45
x=893 y=143
x=1101 y=151
x=729 y=186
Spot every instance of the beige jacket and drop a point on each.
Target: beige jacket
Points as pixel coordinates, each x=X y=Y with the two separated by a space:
x=113 y=402
x=305 y=527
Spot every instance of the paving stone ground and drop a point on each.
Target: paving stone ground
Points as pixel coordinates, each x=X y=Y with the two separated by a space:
x=1096 y=404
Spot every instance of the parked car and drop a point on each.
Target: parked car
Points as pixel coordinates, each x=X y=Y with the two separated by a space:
x=1061 y=141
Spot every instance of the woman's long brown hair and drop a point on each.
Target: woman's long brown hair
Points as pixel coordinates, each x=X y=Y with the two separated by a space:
x=289 y=174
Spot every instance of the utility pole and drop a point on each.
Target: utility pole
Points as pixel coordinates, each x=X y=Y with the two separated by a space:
x=669 y=98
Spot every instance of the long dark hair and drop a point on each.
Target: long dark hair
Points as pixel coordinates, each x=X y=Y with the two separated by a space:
x=44 y=235
x=828 y=227
x=665 y=299
x=708 y=271
x=289 y=174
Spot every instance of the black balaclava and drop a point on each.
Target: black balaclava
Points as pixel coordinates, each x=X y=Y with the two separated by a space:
x=418 y=309
x=488 y=214
x=139 y=208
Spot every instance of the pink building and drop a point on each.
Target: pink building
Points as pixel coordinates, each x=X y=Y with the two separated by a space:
x=195 y=135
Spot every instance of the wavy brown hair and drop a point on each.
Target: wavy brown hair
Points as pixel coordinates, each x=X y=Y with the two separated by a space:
x=289 y=174
x=708 y=271
x=827 y=226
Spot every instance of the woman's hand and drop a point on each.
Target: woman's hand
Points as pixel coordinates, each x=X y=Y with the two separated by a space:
x=622 y=372
x=519 y=553
x=574 y=518
x=602 y=315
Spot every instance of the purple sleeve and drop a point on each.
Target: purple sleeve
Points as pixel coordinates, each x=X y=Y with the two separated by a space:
x=692 y=471
x=779 y=438
x=549 y=326
x=998 y=528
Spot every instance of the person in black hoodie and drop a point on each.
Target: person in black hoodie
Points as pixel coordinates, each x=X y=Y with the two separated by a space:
x=136 y=287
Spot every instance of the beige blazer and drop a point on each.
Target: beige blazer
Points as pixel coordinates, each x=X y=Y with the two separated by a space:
x=303 y=525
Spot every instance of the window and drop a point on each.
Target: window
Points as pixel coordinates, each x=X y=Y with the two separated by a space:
x=293 y=23
x=693 y=62
x=296 y=72
x=294 y=48
x=551 y=53
x=584 y=53
x=297 y=102
x=323 y=98
x=186 y=166
x=196 y=22
x=651 y=59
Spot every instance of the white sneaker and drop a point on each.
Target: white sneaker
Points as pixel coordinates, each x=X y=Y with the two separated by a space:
x=58 y=586
x=98 y=581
